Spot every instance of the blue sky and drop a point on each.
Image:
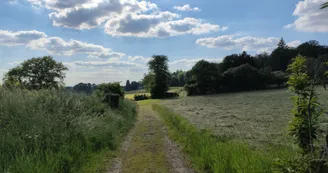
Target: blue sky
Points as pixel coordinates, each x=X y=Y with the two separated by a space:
x=111 y=40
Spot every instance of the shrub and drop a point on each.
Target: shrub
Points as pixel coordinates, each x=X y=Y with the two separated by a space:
x=279 y=78
x=56 y=131
x=244 y=77
x=141 y=97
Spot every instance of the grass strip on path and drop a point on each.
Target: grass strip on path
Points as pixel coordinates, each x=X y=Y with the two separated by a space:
x=146 y=152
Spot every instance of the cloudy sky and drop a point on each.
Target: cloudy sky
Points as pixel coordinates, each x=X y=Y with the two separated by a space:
x=112 y=40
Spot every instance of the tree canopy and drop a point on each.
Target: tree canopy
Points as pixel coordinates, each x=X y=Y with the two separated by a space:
x=158 y=66
x=36 y=73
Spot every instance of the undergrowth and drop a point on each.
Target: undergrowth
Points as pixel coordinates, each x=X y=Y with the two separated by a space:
x=56 y=131
x=215 y=154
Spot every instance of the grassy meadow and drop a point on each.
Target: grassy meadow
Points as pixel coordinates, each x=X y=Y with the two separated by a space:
x=258 y=118
x=57 y=131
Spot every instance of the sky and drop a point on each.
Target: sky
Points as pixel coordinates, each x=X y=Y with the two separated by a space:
x=112 y=40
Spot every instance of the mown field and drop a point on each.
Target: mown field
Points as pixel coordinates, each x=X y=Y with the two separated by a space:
x=258 y=118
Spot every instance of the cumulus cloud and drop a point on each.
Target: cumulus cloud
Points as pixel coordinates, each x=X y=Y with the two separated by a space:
x=309 y=17
x=58 y=46
x=187 y=63
x=138 y=58
x=9 y=38
x=230 y=42
x=108 y=64
x=294 y=43
x=158 y=25
x=186 y=7
x=124 y=17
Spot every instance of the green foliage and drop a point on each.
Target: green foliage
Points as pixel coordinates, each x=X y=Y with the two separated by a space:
x=281 y=57
x=244 y=77
x=56 y=131
x=148 y=81
x=204 y=77
x=158 y=66
x=86 y=88
x=141 y=97
x=307 y=110
x=236 y=60
x=36 y=73
x=109 y=88
x=210 y=153
x=324 y=5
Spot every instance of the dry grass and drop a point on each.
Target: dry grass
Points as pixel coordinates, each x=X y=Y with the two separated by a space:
x=258 y=118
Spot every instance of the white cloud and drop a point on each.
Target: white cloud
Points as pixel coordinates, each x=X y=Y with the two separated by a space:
x=108 y=64
x=9 y=38
x=58 y=46
x=138 y=58
x=123 y=17
x=158 y=25
x=310 y=18
x=187 y=63
x=230 y=42
x=186 y=7
x=294 y=43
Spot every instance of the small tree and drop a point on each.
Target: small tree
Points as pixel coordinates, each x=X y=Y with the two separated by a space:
x=306 y=110
x=158 y=65
x=37 y=73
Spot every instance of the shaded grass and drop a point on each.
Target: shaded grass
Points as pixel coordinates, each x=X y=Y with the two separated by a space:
x=57 y=131
x=217 y=154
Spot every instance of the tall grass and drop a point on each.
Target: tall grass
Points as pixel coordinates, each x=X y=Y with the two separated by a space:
x=215 y=154
x=56 y=131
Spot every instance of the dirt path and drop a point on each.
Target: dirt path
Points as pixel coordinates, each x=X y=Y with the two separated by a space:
x=147 y=148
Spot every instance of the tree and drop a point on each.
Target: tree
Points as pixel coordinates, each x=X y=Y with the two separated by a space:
x=236 y=60
x=127 y=86
x=158 y=65
x=37 y=73
x=244 y=77
x=310 y=49
x=324 y=5
x=205 y=76
x=148 y=81
x=262 y=60
x=134 y=85
x=85 y=88
x=281 y=56
x=282 y=44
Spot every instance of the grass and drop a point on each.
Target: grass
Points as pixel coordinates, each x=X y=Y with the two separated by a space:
x=216 y=154
x=146 y=152
x=57 y=131
x=259 y=119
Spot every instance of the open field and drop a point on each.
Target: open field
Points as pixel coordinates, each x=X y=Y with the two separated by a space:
x=259 y=118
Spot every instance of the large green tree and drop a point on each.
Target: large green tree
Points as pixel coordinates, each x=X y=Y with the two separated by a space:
x=36 y=73
x=158 y=66
x=281 y=56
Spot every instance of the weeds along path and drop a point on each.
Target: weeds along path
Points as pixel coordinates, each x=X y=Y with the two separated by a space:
x=147 y=148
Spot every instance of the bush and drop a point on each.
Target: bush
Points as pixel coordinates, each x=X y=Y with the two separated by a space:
x=141 y=97
x=109 y=88
x=57 y=131
x=244 y=77
x=279 y=78
x=171 y=94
